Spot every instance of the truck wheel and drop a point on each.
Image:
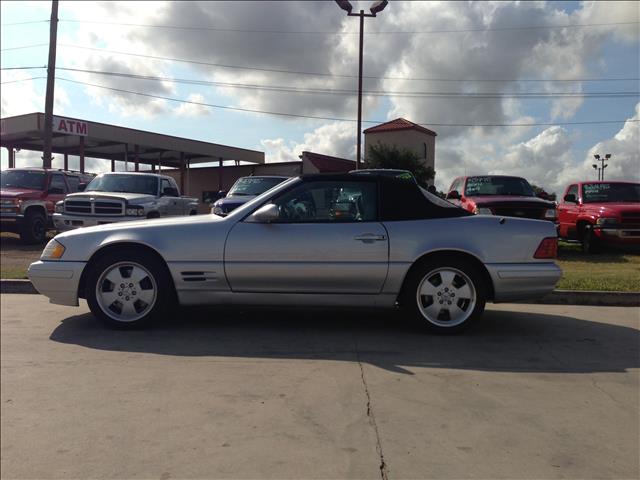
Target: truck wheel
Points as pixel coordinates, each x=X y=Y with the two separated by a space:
x=129 y=289
x=34 y=229
x=445 y=295
x=590 y=243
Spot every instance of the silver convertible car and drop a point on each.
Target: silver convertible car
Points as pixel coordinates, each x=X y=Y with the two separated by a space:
x=316 y=240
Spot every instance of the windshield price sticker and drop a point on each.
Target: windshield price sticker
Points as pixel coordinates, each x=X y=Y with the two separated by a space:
x=596 y=187
x=474 y=184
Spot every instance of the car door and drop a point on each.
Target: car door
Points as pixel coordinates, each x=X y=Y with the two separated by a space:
x=326 y=239
x=57 y=191
x=568 y=213
x=170 y=203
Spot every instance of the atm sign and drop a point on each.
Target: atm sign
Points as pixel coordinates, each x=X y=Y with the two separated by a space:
x=71 y=127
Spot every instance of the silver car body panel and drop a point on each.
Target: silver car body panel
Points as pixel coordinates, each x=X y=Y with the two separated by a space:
x=216 y=260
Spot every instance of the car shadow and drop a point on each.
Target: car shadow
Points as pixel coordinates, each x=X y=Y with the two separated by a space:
x=503 y=341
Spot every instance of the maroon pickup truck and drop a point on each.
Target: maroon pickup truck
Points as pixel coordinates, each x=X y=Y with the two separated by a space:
x=601 y=213
x=500 y=195
x=28 y=198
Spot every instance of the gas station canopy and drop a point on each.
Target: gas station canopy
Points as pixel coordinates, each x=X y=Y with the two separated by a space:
x=83 y=138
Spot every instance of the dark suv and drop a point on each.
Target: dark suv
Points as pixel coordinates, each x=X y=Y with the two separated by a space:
x=28 y=198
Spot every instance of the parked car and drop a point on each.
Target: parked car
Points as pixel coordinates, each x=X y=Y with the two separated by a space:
x=332 y=240
x=123 y=197
x=599 y=214
x=28 y=197
x=245 y=189
x=500 y=195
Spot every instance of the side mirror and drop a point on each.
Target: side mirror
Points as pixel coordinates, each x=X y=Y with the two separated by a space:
x=82 y=187
x=453 y=195
x=222 y=193
x=265 y=214
x=170 y=192
x=570 y=198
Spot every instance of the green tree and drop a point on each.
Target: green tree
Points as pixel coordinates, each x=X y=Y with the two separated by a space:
x=382 y=155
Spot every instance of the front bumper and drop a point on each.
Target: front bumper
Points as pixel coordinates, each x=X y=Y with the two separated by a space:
x=11 y=222
x=63 y=222
x=617 y=234
x=57 y=280
x=522 y=281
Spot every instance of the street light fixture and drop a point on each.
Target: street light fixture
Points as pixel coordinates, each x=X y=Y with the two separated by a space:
x=602 y=160
x=376 y=8
x=595 y=167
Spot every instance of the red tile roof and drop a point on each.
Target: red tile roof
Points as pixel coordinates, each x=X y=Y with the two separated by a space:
x=326 y=163
x=399 y=124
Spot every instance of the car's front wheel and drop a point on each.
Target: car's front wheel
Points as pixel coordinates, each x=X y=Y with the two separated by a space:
x=445 y=295
x=129 y=289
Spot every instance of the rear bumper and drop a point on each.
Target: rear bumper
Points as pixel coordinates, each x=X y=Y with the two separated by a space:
x=63 y=222
x=57 y=280
x=522 y=281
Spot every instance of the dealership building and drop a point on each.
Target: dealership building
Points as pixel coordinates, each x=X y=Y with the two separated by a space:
x=200 y=168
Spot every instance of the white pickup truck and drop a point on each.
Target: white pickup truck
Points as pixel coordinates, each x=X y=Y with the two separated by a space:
x=120 y=197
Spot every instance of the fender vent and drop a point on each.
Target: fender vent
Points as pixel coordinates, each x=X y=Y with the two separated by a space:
x=199 y=276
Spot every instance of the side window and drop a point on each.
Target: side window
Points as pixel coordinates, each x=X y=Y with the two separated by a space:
x=57 y=184
x=164 y=184
x=173 y=183
x=326 y=201
x=73 y=183
x=573 y=190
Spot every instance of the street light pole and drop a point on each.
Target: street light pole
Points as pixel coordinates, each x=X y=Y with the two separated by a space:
x=376 y=8
x=602 y=160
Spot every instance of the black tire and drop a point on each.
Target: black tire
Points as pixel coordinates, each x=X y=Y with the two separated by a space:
x=427 y=270
x=34 y=229
x=158 y=277
x=590 y=243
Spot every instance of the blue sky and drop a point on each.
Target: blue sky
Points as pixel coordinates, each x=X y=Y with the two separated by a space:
x=610 y=51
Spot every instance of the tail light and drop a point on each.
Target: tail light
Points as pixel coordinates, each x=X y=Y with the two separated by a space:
x=548 y=248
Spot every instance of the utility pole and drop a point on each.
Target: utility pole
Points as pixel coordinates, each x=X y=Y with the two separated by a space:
x=51 y=72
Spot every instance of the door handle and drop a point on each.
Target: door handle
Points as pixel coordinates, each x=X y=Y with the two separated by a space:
x=370 y=237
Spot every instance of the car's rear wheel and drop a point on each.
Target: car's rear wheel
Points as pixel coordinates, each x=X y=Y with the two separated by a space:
x=129 y=289
x=445 y=295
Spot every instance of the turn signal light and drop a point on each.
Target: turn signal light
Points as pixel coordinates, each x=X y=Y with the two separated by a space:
x=548 y=248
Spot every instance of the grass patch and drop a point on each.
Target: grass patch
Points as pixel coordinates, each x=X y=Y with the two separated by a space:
x=617 y=271
x=13 y=273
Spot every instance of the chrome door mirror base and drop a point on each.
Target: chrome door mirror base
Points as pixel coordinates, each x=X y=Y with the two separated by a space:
x=265 y=214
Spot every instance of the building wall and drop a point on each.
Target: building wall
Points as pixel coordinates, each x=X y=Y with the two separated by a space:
x=208 y=179
x=412 y=140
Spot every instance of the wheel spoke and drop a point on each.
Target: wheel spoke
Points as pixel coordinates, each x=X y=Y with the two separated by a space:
x=145 y=295
x=433 y=310
x=115 y=277
x=128 y=310
x=447 y=278
x=109 y=297
x=137 y=275
x=427 y=288
x=463 y=291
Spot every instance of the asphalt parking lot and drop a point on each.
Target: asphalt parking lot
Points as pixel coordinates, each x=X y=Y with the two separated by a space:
x=533 y=392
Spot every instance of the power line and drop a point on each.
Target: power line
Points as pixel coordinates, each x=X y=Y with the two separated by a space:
x=23 y=68
x=23 y=23
x=309 y=32
x=25 y=46
x=22 y=80
x=294 y=115
x=289 y=89
x=321 y=74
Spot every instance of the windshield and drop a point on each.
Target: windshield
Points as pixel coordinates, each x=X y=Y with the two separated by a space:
x=498 y=186
x=254 y=185
x=144 y=184
x=22 y=179
x=610 y=192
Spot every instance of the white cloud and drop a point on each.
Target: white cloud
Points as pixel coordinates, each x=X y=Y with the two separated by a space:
x=191 y=109
x=22 y=95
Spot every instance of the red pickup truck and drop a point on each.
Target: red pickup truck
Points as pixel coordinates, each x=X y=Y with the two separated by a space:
x=601 y=213
x=28 y=198
x=500 y=195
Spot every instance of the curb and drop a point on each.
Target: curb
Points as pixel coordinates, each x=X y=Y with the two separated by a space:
x=557 y=297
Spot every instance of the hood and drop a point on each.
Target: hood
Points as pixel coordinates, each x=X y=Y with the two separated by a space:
x=129 y=197
x=511 y=200
x=613 y=209
x=234 y=200
x=20 y=192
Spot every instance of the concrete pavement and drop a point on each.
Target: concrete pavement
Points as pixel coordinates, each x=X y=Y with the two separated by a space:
x=534 y=391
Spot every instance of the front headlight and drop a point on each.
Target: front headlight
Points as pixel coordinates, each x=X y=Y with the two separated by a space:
x=60 y=207
x=606 y=221
x=53 y=251
x=550 y=214
x=482 y=211
x=135 y=211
